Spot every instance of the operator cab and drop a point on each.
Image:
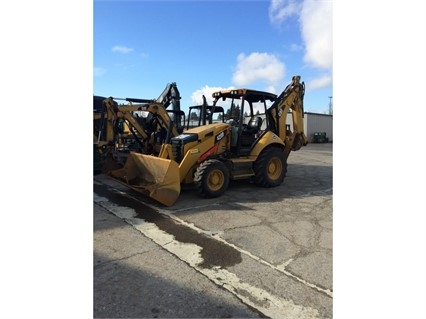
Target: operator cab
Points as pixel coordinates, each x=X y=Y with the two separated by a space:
x=204 y=114
x=245 y=116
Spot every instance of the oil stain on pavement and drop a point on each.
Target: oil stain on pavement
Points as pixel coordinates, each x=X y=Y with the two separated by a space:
x=213 y=252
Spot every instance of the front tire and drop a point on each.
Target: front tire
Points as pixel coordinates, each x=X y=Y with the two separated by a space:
x=270 y=168
x=211 y=178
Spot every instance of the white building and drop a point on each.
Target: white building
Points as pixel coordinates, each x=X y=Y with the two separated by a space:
x=313 y=122
x=316 y=122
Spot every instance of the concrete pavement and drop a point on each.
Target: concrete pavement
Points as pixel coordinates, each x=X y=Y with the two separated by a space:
x=251 y=253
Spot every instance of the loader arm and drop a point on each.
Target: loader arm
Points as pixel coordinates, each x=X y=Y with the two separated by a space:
x=115 y=112
x=162 y=115
x=112 y=113
x=135 y=125
x=125 y=112
x=111 y=116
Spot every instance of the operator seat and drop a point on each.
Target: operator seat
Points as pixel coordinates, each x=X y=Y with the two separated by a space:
x=253 y=125
x=249 y=132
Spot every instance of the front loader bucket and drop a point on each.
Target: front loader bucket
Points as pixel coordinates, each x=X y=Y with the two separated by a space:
x=156 y=177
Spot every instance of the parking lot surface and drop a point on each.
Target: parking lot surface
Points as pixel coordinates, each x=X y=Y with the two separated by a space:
x=251 y=253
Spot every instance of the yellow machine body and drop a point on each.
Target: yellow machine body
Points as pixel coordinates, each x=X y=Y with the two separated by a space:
x=160 y=176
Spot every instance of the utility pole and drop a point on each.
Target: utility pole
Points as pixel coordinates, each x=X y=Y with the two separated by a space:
x=330 y=106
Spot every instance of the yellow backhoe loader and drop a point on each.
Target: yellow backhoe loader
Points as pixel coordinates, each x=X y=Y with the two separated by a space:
x=211 y=155
x=143 y=127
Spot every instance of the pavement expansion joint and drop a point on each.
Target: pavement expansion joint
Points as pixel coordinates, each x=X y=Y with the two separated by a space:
x=192 y=208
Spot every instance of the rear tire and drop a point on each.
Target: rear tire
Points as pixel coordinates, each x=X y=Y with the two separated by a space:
x=211 y=178
x=270 y=168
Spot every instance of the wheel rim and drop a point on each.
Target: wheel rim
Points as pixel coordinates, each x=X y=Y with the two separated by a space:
x=215 y=180
x=275 y=168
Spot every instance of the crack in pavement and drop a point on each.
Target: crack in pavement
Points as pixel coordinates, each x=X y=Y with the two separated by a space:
x=120 y=259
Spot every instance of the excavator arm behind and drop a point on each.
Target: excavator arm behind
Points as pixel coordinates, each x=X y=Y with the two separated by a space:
x=290 y=98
